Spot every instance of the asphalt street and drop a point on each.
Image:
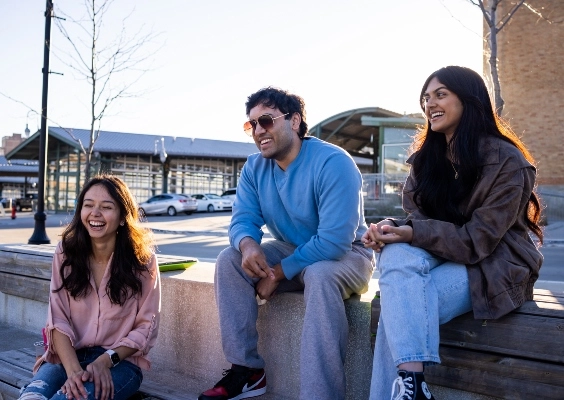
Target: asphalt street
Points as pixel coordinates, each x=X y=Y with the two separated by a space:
x=204 y=235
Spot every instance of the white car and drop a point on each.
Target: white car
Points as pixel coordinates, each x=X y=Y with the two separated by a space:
x=168 y=203
x=229 y=194
x=211 y=202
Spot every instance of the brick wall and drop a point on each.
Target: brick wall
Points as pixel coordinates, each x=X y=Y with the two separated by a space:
x=531 y=68
x=9 y=143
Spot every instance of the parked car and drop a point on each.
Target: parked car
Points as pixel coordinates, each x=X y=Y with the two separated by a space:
x=229 y=194
x=211 y=202
x=169 y=203
x=26 y=202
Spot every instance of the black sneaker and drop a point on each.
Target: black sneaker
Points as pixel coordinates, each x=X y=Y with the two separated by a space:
x=410 y=386
x=237 y=383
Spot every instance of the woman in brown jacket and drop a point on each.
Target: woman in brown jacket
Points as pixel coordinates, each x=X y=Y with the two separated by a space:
x=465 y=244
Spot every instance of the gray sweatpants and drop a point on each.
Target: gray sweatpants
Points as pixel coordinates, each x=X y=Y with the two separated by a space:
x=325 y=330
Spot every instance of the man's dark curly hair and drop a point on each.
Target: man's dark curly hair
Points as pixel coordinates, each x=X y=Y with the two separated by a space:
x=282 y=100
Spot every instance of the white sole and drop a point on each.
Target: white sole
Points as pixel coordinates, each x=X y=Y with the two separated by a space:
x=251 y=393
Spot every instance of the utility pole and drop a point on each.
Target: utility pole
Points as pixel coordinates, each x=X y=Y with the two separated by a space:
x=39 y=235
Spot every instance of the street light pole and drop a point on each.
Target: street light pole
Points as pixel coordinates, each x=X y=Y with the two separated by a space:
x=39 y=235
x=163 y=157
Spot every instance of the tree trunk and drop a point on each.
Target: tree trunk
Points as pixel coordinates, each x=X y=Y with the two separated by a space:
x=93 y=95
x=499 y=103
x=489 y=10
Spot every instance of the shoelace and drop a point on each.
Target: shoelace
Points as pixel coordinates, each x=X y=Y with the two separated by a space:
x=403 y=392
x=228 y=375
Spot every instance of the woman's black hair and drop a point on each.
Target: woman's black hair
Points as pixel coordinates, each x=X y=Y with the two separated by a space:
x=133 y=248
x=439 y=194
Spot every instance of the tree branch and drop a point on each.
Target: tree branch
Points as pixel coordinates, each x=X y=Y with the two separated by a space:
x=485 y=12
x=540 y=15
x=69 y=131
x=509 y=15
x=101 y=66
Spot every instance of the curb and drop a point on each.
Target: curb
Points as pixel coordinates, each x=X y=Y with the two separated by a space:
x=173 y=232
x=553 y=243
x=207 y=233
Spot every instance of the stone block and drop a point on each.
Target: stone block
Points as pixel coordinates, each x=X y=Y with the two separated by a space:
x=189 y=342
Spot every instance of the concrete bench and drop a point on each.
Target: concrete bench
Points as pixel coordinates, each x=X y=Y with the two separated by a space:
x=189 y=342
x=188 y=357
x=519 y=356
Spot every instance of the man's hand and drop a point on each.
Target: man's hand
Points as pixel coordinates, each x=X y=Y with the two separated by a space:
x=254 y=261
x=266 y=287
x=100 y=374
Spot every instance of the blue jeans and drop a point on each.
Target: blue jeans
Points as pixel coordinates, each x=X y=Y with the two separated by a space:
x=49 y=379
x=418 y=292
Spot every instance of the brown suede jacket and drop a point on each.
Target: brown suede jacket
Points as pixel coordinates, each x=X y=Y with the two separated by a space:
x=503 y=262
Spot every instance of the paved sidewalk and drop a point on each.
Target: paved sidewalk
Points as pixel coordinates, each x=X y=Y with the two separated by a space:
x=554 y=234
x=218 y=223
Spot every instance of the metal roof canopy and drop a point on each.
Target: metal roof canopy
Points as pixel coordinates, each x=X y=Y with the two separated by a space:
x=15 y=168
x=133 y=143
x=358 y=130
x=29 y=148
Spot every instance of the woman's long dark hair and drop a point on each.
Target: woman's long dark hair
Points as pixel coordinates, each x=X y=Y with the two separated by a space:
x=437 y=194
x=133 y=249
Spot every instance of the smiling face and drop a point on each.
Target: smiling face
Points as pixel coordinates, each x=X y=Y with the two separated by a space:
x=281 y=142
x=443 y=108
x=100 y=214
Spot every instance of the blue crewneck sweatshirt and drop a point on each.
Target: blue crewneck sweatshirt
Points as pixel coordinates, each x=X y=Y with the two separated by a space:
x=315 y=204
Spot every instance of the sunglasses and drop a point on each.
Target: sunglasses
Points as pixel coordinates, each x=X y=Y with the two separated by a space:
x=265 y=120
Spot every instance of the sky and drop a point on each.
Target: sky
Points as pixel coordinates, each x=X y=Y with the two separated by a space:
x=208 y=56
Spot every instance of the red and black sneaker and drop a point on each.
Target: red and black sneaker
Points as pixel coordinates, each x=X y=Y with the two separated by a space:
x=237 y=383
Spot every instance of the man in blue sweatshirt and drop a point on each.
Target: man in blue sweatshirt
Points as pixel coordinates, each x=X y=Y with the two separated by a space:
x=308 y=194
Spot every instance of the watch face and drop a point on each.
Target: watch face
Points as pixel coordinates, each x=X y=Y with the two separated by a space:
x=115 y=358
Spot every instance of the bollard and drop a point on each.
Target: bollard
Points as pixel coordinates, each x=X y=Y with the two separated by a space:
x=13 y=212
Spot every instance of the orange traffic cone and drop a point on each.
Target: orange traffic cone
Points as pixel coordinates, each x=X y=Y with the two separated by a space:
x=13 y=212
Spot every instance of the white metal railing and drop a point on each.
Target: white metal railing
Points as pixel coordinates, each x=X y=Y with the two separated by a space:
x=553 y=203
x=379 y=186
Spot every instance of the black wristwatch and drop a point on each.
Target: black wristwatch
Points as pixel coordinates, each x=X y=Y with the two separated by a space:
x=114 y=357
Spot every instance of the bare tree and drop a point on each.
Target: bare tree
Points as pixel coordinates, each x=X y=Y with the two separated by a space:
x=489 y=10
x=103 y=67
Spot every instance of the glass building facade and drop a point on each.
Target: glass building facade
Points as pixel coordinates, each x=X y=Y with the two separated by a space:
x=143 y=174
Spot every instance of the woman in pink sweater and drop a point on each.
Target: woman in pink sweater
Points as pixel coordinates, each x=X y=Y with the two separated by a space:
x=104 y=301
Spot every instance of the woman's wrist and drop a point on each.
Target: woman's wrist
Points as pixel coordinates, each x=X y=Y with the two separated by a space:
x=105 y=360
x=74 y=373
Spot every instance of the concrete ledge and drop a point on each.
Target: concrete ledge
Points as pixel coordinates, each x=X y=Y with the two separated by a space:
x=22 y=313
x=190 y=343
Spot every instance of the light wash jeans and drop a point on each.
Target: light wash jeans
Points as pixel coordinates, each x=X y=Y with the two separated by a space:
x=49 y=379
x=418 y=292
